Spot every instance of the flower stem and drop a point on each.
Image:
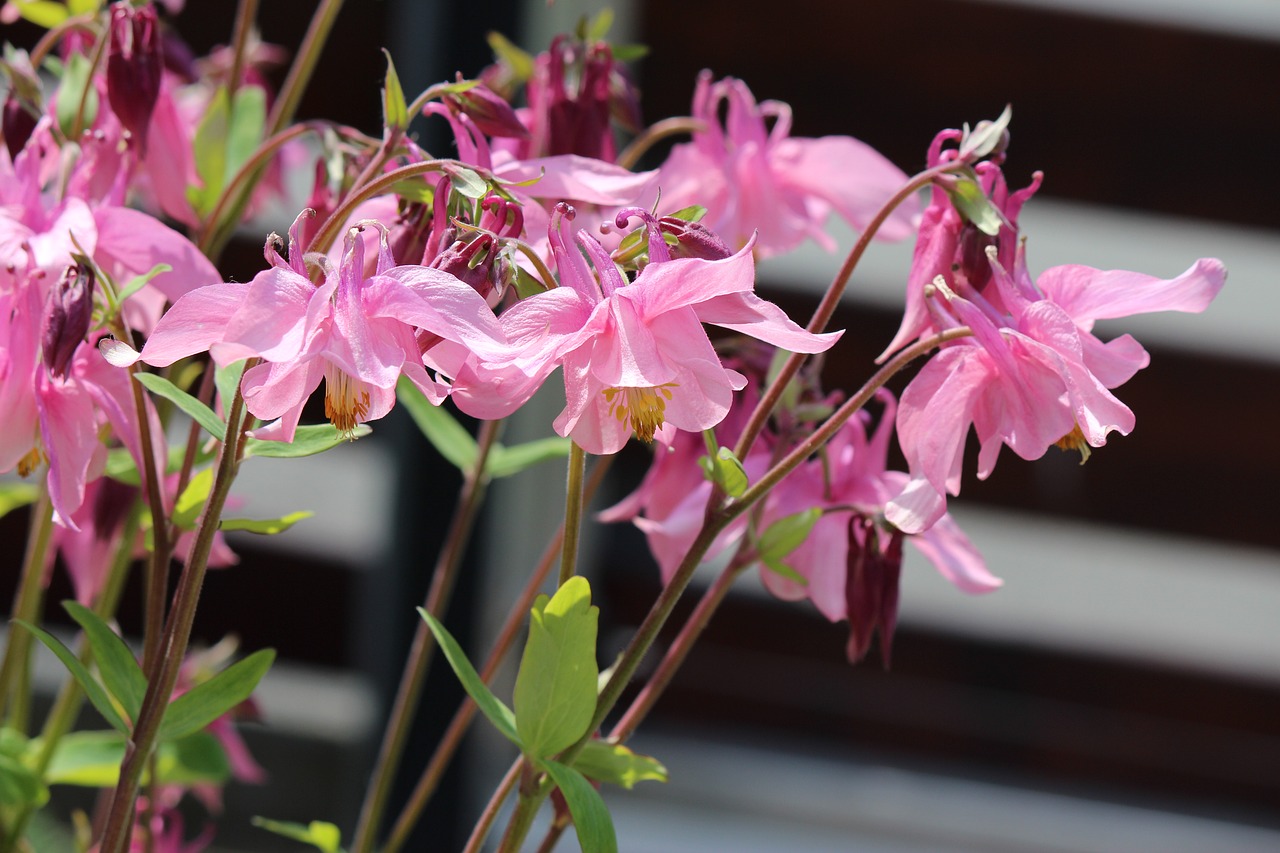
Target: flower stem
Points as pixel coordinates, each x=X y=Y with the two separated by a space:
x=466 y=712
x=490 y=813
x=163 y=674
x=295 y=83
x=470 y=499
x=157 y=574
x=827 y=307
x=15 y=672
x=654 y=134
x=246 y=14
x=572 y=514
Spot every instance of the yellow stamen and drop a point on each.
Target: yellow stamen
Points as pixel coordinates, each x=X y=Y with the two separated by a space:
x=645 y=407
x=30 y=462
x=346 y=400
x=1075 y=440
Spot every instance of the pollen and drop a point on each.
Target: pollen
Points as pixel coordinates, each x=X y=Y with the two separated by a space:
x=30 y=461
x=1075 y=440
x=346 y=400
x=645 y=407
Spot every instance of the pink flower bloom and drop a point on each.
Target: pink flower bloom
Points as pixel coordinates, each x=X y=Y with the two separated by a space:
x=354 y=332
x=752 y=178
x=635 y=356
x=1032 y=375
x=849 y=559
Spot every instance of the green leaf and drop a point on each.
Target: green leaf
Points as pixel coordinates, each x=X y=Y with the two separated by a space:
x=395 y=112
x=617 y=765
x=307 y=441
x=499 y=714
x=555 y=695
x=414 y=189
x=76 y=76
x=505 y=461
x=973 y=203
x=985 y=137
x=726 y=471
x=248 y=120
x=92 y=760
x=83 y=7
x=19 y=784
x=441 y=429
x=590 y=815
x=138 y=282
x=43 y=13
x=199 y=412
x=787 y=534
x=209 y=147
x=466 y=182
x=267 y=526
x=204 y=703
x=323 y=836
x=187 y=509
x=227 y=380
x=630 y=52
x=15 y=495
x=783 y=570
x=92 y=689
x=119 y=669
x=520 y=62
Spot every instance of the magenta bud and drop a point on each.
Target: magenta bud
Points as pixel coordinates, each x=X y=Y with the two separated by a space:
x=67 y=314
x=18 y=125
x=694 y=240
x=871 y=588
x=135 y=62
x=493 y=115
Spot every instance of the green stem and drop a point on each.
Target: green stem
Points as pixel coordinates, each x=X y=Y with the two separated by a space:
x=466 y=712
x=163 y=675
x=15 y=671
x=295 y=83
x=572 y=514
x=157 y=574
x=654 y=134
x=470 y=499
x=830 y=300
x=246 y=14
x=528 y=802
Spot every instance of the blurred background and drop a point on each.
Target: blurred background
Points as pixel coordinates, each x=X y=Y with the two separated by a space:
x=1121 y=692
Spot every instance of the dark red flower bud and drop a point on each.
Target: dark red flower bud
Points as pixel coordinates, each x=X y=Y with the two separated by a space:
x=19 y=123
x=67 y=314
x=871 y=588
x=694 y=240
x=493 y=115
x=135 y=62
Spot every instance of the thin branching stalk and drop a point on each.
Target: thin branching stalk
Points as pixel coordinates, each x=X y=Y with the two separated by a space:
x=481 y=830
x=246 y=14
x=157 y=573
x=572 y=514
x=15 y=672
x=295 y=83
x=466 y=712
x=655 y=133
x=470 y=499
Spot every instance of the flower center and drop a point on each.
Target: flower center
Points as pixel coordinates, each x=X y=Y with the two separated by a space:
x=30 y=461
x=645 y=407
x=346 y=400
x=1075 y=440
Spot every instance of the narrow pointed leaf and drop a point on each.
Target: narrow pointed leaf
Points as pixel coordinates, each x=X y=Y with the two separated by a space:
x=204 y=703
x=307 y=441
x=266 y=526
x=395 y=112
x=591 y=818
x=138 y=282
x=189 y=505
x=92 y=689
x=499 y=714
x=323 y=836
x=119 y=669
x=198 y=411
x=555 y=695
x=617 y=765
x=505 y=461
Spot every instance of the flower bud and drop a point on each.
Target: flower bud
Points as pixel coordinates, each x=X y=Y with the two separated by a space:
x=135 y=62
x=871 y=588
x=67 y=315
x=493 y=115
x=18 y=125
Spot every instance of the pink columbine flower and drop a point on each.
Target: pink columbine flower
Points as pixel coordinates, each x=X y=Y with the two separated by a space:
x=752 y=178
x=355 y=333
x=851 y=559
x=635 y=356
x=1032 y=375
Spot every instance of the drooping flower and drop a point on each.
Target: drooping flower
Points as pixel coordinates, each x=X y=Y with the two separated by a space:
x=754 y=178
x=1032 y=375
x=635 y=356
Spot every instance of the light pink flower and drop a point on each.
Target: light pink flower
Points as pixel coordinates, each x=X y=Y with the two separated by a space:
x=1032 y=375
x=753 y=178
x=635 y=356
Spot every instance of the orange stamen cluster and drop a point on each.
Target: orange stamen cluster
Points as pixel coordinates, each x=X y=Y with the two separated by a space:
x=645 y=407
